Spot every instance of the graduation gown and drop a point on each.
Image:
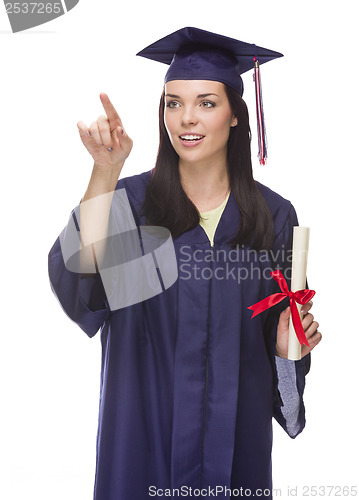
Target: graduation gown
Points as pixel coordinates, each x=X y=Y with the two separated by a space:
x=189 y=382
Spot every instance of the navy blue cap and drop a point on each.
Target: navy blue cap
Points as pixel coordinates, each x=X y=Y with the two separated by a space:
x=195 y=54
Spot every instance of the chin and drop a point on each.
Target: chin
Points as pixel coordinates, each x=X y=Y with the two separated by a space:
x=193 y=158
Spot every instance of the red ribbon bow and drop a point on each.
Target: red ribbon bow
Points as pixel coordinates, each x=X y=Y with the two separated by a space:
x=301 y=296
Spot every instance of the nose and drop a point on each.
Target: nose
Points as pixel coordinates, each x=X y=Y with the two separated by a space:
x=189 y=116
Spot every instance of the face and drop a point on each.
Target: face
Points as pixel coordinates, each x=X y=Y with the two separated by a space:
x=198 y=119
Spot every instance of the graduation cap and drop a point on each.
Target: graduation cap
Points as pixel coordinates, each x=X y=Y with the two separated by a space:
x=195 y=54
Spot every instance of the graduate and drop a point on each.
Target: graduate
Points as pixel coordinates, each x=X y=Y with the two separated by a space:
x=189 y=382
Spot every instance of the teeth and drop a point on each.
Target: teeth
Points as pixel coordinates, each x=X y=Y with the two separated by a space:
x=191 y=137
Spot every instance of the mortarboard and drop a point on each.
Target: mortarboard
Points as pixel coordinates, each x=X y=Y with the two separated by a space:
x=195 y=54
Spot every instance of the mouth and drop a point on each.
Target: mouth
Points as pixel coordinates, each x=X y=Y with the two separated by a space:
x=191 y=138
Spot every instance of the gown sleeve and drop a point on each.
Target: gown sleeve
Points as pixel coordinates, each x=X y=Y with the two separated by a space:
x=82 y=297
x=289 y=376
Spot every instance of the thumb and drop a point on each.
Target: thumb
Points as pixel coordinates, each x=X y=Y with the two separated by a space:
x=283 y=323
x=121 y=139
x=118 y=135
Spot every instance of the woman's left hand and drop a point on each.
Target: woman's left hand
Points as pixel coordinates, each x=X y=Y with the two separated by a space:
x=310 y=328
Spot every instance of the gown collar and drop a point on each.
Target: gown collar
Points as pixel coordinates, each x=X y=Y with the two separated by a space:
x=227 y=227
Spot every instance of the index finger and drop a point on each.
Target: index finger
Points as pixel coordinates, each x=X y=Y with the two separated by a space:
x=111 y=112
x=306 y=307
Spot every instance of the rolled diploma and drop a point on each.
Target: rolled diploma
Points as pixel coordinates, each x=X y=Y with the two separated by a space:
x=299 y=273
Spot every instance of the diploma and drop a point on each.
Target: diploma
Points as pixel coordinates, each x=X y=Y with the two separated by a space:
x=299 y=273
x=298 y=295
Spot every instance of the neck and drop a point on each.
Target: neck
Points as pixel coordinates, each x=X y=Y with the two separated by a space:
x=207 y=186
x=204 y=181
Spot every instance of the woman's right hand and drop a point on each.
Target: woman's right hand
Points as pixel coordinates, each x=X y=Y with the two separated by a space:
x=106 y=139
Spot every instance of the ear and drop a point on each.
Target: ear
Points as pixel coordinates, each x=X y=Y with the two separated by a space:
x=234 y=121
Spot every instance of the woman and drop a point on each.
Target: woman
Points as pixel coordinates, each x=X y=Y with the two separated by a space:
x=189 y=382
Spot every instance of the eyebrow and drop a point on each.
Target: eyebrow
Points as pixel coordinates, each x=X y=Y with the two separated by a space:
x=200 y=96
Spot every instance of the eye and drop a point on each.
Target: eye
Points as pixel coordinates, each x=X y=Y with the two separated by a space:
x=172 y=104
x=208 y=104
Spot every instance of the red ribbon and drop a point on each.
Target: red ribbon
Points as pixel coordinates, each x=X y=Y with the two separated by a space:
x=301 y=296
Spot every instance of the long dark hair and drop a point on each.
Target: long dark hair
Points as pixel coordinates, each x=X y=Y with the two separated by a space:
x=166 y=203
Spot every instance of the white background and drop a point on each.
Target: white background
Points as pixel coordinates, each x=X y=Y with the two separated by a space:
x=50 y=78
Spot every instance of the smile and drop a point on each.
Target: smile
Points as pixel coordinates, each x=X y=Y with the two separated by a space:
x=191 y=137
x=191 y=140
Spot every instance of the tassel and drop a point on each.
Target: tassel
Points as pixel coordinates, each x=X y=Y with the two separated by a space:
x=262 y=141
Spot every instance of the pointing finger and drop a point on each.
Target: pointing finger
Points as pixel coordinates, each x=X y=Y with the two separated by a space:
x=113 y=116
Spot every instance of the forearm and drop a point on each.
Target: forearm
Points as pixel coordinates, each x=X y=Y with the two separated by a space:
x=102 y=181
x=94 y=213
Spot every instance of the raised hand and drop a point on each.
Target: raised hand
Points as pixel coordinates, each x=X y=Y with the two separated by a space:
x=106 y=139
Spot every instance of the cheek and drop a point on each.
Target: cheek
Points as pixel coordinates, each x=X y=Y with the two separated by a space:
x=170 y=128
x=221 y=126
x=169 y=123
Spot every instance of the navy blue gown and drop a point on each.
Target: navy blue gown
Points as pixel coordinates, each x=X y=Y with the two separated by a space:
x=189 y=382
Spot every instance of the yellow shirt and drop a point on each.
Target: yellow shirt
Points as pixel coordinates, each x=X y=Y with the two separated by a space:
x=209 y=220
